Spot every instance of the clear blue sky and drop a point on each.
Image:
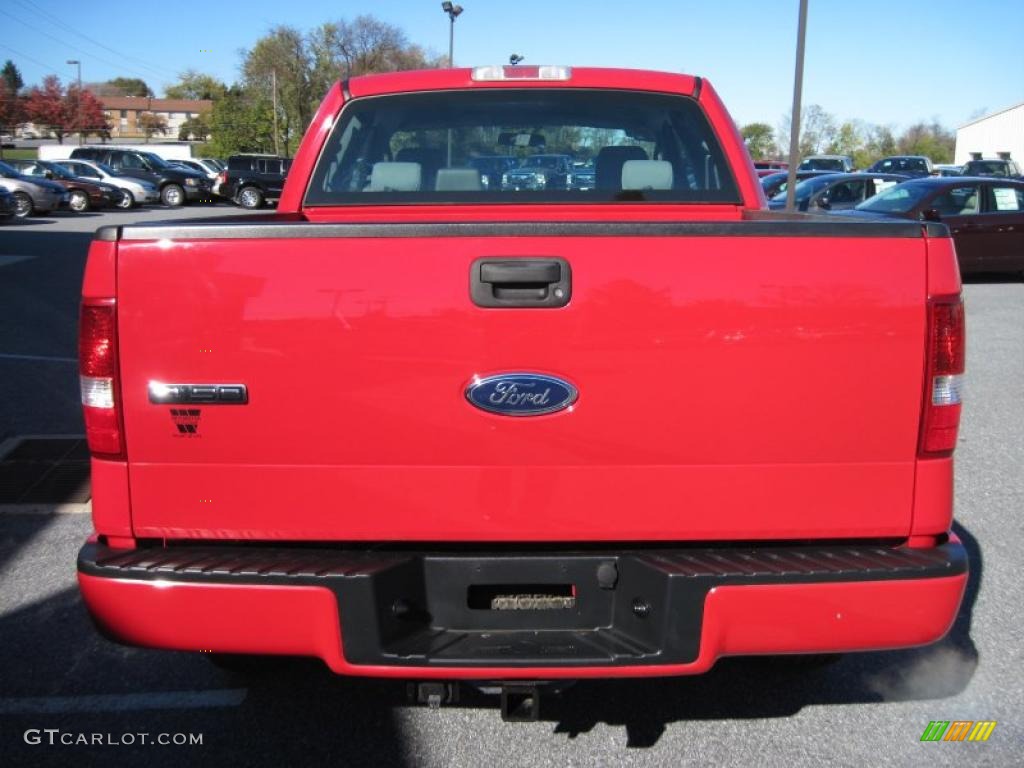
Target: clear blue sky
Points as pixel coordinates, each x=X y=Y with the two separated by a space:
x=882 y=61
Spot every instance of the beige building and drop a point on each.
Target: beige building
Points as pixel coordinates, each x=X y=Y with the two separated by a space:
x=123 y=113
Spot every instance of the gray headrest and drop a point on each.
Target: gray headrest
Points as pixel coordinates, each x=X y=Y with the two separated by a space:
x=647 y=174
x=395 y=177
x=458 y=180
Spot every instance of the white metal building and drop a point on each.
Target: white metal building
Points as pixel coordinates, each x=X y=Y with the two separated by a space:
x=1000 y=134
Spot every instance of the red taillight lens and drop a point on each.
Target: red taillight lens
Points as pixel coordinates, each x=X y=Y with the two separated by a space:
x=944 y=376
x=97 y=367
x=222 y=177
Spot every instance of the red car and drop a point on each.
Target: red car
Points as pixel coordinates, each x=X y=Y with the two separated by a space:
x=768 y=167
x=423 y=428
x=985 y=215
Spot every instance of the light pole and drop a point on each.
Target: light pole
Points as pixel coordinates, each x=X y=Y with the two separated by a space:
x=515 y=58
x=453 y=12
x=78 y=99
x=794 y=123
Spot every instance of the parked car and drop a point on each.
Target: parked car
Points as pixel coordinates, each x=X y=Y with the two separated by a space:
x=1003 y=168
x=492 y=167
x=199 y=166
x=837 y=191
x=984 y=215
x=516 y=440
x=945 y=169
x=177 y=185
x=834 y=163
x=584 y=176
x=31 y=195
x=768 y=167
x=134 y=191
x=253 y=180
x=7 y=204
x=84 y=194
x=539 y=172
x=775 y=183
x=908 y=165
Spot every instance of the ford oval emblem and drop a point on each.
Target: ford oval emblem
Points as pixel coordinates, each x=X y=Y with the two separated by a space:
x=521 y=394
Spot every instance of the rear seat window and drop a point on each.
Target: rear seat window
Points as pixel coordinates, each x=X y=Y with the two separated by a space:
x=522 y=146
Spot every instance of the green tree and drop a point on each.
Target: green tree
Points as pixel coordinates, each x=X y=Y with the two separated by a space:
x=817 y=130
x=760 y=140
x=282 y=59
x=12 y=112
x=196 y=85
x=850 y=139
x=11 y=76
x=151 y=124
x=929 y=139
x=129 y=86
x=362 y=46
x=881 y=142
x=241 y=121
x=194 y=129
x=303 y=67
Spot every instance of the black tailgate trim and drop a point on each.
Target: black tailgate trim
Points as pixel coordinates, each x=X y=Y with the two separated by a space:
x=762 y=224
x=408 y=608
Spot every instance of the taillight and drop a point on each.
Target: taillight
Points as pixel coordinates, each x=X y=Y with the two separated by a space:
x=222 y=177
x=97 y=368
x=944 y=376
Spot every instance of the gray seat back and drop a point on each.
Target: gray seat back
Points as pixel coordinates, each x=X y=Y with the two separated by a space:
x=395 y=177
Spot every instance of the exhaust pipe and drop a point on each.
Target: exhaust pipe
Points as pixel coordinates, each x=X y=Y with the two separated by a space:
x=433 y=694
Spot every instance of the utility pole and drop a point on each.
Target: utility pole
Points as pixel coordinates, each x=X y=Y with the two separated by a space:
x=78 y=100
x=794 y=125
x=273 y=81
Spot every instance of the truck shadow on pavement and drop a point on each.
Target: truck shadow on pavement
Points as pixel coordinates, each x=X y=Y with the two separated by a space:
x=743 y=688
x=295 y=712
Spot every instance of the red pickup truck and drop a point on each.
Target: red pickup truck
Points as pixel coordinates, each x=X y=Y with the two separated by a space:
x=426 y=423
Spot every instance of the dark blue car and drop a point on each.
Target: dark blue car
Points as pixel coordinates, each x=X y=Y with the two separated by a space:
x=837 y=191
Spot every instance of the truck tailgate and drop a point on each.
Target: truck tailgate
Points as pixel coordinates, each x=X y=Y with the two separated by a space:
x=729 y=388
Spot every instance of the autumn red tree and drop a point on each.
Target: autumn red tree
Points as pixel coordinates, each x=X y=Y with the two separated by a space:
x=44 y=106
x=85 y=113
x=10 y=109
x=64 y=111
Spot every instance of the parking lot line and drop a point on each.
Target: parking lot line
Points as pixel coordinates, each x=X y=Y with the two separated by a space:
x=84 y=508
x=122 y=702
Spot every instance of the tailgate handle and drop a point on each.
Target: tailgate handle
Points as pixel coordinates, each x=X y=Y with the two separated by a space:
x=520 y=282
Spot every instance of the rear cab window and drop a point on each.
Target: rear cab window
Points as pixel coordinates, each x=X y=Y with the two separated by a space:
x=510 y=145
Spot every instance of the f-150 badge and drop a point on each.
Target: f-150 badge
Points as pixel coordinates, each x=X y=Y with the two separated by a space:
x=521 y=394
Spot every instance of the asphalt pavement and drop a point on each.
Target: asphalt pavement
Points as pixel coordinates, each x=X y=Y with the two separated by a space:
x=59 y=680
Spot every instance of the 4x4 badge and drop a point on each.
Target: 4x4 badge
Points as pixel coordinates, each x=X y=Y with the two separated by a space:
x=186 y=420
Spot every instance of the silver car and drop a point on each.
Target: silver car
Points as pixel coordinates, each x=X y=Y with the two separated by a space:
x=139 y=191
x=32 y=195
